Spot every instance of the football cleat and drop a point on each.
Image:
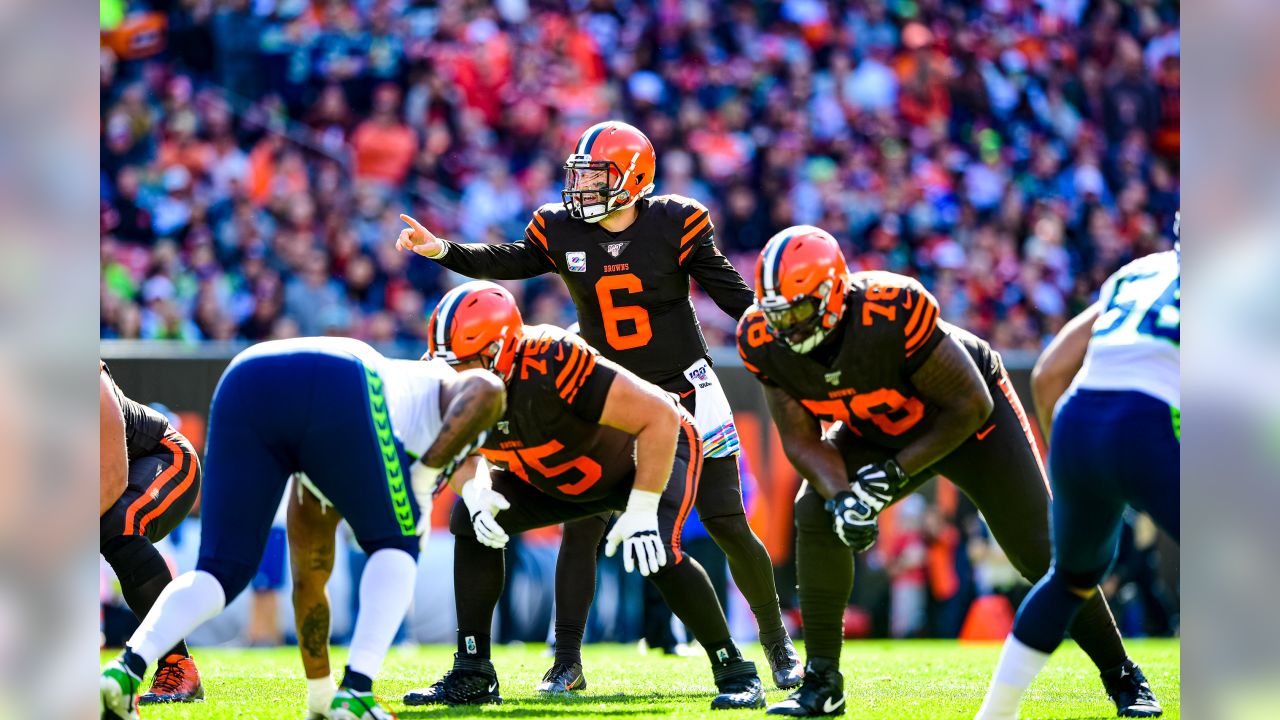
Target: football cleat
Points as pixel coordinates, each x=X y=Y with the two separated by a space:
x=470 y=682
x=784 y=661
x=821 y=693
x=118 y=690
x=351 y=705
x=739 y=686
x=176 y=680
x=563 y=678
x=1128 y=689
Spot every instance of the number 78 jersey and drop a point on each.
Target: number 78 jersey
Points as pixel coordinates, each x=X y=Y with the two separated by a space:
x=1137 y=336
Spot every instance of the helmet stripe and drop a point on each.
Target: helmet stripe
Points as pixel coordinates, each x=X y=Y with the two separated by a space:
x=589 y=137
x=447 y=306
x=773 y=263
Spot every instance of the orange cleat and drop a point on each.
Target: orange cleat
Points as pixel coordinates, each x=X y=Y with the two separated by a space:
x=176 y=680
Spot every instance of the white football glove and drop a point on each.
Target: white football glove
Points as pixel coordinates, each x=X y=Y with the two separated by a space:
x=483 y=502
x=424 y=481
x=637 y=530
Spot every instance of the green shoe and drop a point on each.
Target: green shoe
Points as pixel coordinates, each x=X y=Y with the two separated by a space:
x=351 y=705
x=119 y=691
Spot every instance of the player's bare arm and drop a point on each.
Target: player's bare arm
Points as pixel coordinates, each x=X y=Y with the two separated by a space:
x=113 y=475
x=641 y=409
x=949 y=380
x=801 y=435
x=312 y=530
x=470 y=404
x=1059 y=363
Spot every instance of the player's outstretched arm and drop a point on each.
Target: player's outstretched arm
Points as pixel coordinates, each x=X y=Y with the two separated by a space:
x=311 y=528
x=470 y=404
x=644 y=410
x=505 y=261
x=113 y=473
x=950 y=381
x=1059 y=363
x=801 y=434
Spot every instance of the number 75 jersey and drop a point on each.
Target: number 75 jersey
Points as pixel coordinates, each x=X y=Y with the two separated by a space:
x=1137 y=335
x=861 y=375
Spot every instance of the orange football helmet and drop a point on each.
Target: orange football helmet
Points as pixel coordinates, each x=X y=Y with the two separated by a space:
x=800 y=285
x=477 y=320
x=611 y=168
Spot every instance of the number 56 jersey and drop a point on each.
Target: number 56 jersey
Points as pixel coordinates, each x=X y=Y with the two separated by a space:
x=861 y=374
x=1137 y=335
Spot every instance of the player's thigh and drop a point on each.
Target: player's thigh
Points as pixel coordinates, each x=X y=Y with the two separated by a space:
x=1088 y=506
x=1002 y=474
x=1150 y=470
x=171 y=482
x=719 y=488
x=584 y=535
x=530 y=508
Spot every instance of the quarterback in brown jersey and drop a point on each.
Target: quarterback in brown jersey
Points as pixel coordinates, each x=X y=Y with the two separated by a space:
x=580 y=437
x=628 y=258
x=907 y=396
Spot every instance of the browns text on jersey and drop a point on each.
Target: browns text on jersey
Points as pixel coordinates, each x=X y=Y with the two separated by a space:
x=861 y=374
x=631 y=288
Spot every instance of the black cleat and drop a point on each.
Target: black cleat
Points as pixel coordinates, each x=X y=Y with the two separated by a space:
x=563 y=678
x=784 y=661
x=470 y=682
x=739 y=686
x=1128 y=689
x=822 y=693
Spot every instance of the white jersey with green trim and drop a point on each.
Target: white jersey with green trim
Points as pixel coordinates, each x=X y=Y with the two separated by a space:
x=1136 y=337
x=412 y=389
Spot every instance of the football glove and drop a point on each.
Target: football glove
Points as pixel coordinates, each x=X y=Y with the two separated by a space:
x=483 y=502
x=854 y=522
x=637 y=531
x=877 y=485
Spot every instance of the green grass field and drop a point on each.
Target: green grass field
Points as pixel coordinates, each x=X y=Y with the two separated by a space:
x=883 y=679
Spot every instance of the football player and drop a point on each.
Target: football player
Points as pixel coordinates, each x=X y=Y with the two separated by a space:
x=1114 y=444
x=353 y=421
x=627 y=259
x=581 y=437
x=149 y=480
x=909 y=396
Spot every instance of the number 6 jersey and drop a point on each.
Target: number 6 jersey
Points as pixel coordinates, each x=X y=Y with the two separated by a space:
x=861 y=374
x=631 y=288
x=1137 y=335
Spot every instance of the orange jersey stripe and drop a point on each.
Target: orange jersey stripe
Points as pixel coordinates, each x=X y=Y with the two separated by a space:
x=537 y=235
x=692 y=474
x=696 y=229
x=153 y=491
x=696 y=214
x=915 y=317
x=583 y=372
x=927 y=324
x=1012 y=396
x=685 y=254
x=538 y=217
x=574 y=358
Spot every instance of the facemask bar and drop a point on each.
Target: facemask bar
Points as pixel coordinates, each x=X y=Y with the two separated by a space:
x=806 y=332
x=593 y=204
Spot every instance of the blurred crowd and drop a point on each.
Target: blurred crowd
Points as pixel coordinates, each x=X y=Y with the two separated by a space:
x=1010 y=153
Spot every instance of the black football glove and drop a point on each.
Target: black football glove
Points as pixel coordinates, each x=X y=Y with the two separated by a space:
x=877 y=485
x=855 y=523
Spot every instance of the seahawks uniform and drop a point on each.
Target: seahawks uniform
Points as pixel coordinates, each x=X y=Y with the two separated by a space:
x=555 y=462
x=164 y=475
x=859 y=379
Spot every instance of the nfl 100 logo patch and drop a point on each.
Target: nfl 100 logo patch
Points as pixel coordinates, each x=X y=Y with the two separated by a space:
x=699 y=373
x=577 y=261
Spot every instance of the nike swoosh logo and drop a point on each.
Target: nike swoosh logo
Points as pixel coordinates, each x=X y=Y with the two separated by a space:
x=984 y=433
x=688 y=392
x=828 y=706
x=493 y=687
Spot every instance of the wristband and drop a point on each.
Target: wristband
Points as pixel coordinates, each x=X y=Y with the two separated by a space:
x=643 y=501
x=444 y=250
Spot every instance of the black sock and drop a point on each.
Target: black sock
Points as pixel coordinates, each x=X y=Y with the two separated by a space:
x=723 y=653
x=143 y=575
x=688 y=592
x=1094 y=630
x=134 y=662
x=474 y=646
x=824 y=573
x=478 y=577
x=576 y=584
x=353 y=680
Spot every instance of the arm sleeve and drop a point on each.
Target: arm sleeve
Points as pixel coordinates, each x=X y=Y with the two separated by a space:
x=519 y=260
x=702 y=260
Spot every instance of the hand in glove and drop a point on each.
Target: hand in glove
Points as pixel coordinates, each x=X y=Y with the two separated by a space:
x=877 y=485
x=483 y=502
x=855 y=523
x=637 y=531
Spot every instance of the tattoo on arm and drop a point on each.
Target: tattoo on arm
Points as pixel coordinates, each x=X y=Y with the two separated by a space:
x=950 y=380
x=475 y=401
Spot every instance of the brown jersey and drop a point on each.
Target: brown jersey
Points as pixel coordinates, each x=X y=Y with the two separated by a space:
x=550 y=435
x=631 y=288
x=861 y=375
x=143 y=426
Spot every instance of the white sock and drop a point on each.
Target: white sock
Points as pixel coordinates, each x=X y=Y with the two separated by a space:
x=386 y=589
x=320 y=692
x=1019 y=664
x=186 y=603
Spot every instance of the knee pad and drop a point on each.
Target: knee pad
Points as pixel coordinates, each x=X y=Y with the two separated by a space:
x=584 y=534
x=127 y=554
x=731 y=528
x=1077 y=581
x=232 y=575
x=460 y=521
x=407 y=543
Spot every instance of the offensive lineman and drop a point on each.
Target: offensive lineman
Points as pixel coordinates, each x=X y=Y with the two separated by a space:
x=350 y=419
x=149 y=481
x=627 y=260
x=911 y=396
x=1115 y=442
x=581 y=437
